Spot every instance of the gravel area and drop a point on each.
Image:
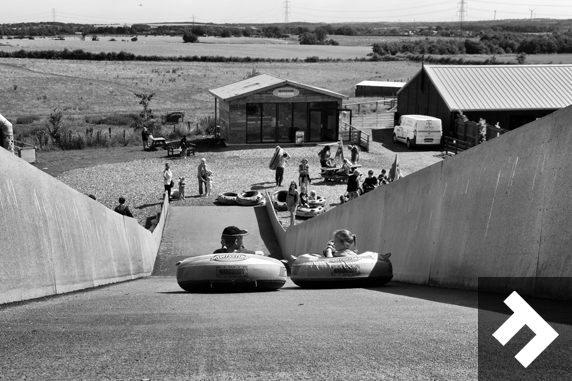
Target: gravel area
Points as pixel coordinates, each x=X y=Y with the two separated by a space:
x=235 y=170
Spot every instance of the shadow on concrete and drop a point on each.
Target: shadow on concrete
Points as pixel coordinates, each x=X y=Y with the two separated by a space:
x=435 y=294
x=555 y=311
x=148 y=205
x=263 y=185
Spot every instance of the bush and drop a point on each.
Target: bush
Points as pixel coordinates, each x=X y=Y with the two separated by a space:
x=27 y=119
x=312 y=59
x=190 y=37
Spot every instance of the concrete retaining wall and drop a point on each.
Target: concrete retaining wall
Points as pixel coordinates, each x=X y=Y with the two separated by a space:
x=501 y=209
x=54 y=239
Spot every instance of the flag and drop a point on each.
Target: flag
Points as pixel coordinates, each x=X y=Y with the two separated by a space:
x=395 y=172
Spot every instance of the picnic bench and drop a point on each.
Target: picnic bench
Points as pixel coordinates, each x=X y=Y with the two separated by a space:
x=174 y=148
x=156 y=143
x=329 y=173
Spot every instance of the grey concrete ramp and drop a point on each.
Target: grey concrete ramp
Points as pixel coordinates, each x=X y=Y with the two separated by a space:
x=196 y=230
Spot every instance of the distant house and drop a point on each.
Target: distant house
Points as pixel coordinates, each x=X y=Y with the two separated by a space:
x=267 y=109
x=378 y=88
x=510 y=95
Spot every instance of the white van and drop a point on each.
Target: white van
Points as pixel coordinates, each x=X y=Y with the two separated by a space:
x=418 y=130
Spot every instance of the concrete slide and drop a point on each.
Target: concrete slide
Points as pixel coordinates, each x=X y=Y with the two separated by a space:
x=196 y=230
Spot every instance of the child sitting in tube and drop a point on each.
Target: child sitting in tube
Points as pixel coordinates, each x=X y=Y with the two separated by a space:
x=313 y=195
x=304 y=197
x=231 y=241
x=340 y=245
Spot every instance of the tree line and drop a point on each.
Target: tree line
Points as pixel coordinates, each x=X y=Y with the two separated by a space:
x=80 y=54
x=490 y=43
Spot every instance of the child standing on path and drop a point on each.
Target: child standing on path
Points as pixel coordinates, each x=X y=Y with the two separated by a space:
x=168 y=179
x=304 y=170
x=208 y=183
x=202 y=175
x=181 y=188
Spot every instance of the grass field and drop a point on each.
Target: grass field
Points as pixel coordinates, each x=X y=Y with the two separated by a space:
x=35 y=87
x=209 y=46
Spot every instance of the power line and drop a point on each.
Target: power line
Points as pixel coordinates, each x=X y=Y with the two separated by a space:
x=462 y=14
x=286 y=11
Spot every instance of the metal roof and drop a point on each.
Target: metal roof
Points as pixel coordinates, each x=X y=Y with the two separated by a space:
x=502 y=87
x=255 y=84
x=381 y=84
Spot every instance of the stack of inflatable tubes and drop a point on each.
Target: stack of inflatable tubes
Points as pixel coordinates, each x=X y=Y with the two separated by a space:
x=279 y=200
x=228 y=198
x=250 y=198
x=230 y=271
x=308 y=211
x=368 y=269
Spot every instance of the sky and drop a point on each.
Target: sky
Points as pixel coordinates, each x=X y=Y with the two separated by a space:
x=275 y=11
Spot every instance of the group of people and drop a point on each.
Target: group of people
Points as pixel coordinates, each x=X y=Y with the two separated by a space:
x=204 y=177
x=340 y=246
x=354 y=189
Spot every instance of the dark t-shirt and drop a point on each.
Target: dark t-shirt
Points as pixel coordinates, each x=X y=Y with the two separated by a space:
x=124 y=210
x=370 y=182
x=353 y=183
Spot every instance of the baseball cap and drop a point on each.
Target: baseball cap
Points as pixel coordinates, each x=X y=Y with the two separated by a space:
x=233 y=231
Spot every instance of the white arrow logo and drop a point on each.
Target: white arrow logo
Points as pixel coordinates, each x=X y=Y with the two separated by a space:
x=523 y=315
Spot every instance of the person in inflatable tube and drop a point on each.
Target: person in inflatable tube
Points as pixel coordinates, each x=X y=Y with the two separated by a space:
x=340 y=245
x=231 y=241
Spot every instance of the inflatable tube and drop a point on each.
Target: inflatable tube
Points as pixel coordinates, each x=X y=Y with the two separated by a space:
x=230 y=272
x=274 y=161
x=368 y=269
x=250 y=198
x=228 y=198
x=308 y=212
x=279 y=200
x=320 y=201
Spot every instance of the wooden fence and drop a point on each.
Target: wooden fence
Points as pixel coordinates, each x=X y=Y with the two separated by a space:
x=466 y=135
x=353 y=135
x=469 y=131
x=373 y=114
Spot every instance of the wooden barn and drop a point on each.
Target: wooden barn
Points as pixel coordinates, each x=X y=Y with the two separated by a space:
x=378 y=89
x=267 y=109
x=510 y=95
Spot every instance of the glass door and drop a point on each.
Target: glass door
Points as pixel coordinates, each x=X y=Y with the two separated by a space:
x=316 y=122
x=269 y=122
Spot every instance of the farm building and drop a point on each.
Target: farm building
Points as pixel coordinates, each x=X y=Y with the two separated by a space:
x=267 y=109
x=378 y=88
x=510 y=95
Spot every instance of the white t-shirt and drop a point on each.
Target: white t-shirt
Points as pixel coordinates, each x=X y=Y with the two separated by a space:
x=167 y=176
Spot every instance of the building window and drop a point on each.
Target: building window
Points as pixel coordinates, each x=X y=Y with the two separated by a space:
x=285 y=122
x=269 y=111
x=300 y=116
x=253 y=122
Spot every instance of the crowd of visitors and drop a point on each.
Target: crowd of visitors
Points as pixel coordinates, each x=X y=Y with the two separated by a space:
x=299 y=193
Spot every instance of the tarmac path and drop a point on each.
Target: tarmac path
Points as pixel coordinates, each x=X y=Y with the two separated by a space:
x=196 y=230
x=150 y=329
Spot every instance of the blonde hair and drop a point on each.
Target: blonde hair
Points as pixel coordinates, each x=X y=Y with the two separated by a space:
x=346 y=237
